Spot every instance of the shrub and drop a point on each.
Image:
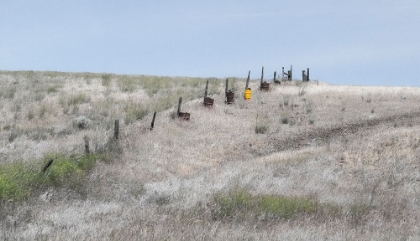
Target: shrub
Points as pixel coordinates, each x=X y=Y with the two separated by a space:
x=229 y=205
x=134 y=112
x=286 y=207
x=239 y=204
x=79 y=99
x=127 y=84
x=19 y=180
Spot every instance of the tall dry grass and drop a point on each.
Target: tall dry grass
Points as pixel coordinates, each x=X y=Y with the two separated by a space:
x=335 y=169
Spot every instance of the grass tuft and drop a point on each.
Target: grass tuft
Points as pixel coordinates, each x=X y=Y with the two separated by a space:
x=240 y=205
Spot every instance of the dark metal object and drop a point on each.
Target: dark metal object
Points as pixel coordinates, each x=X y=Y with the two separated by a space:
x=208 y=102
x=184 y=116
x=265 y=86
x=230 y=97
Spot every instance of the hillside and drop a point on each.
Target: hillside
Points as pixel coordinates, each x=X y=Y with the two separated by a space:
x=304 y=161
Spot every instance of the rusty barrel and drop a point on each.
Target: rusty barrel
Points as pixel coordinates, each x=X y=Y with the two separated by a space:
x=265 y=86
x=230 y=98
x=247 y=94
x=208 y=102
x=184 y=116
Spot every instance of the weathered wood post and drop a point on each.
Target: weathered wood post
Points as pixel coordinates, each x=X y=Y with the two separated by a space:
x=153 y=121
x=262 y=76
x=307 y=74
x=86 y=139
x=179 y=105
x=291 y=73
x=116 y=129
x=226 y=89
x=275 y=77
x=303 y=76
x=247 y=80
x=207 y=87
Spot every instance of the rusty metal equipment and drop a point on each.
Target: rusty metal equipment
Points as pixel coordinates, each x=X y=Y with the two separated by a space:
x=208 y=102
x=265 y=86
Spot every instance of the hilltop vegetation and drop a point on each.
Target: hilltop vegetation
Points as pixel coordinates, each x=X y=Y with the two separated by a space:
x=304 y=161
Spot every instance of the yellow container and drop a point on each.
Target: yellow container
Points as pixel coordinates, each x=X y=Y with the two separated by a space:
x=248 y=94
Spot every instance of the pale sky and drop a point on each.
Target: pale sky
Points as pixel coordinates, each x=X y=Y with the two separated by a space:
x=360 y=42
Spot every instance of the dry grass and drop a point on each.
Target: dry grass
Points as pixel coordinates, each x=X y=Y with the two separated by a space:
x=343 y=166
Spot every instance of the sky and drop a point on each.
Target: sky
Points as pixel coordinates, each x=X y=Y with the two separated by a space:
x=357 y=42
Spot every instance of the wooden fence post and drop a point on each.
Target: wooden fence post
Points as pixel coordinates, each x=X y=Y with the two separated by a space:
x=291 y=72
x=207 y=87
x=307 y=74
x=179 y=105
x=303 y=76
x=247 y=80
x=153 y=121
x=275 y=75
x=116 y=129
x=262 y=75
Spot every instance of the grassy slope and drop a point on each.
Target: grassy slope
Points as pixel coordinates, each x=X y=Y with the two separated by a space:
x=348 y=154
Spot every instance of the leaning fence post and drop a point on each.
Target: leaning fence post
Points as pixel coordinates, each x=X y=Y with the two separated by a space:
x=153 y=121
x=275 y=75
x=116 y=129
x=247 y=80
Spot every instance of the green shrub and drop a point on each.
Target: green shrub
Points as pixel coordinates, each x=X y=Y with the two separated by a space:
x=240 y=204
x=64 y=171
x=286 y=207
x=19 y=180
x=231 y=204
x=16 y=181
